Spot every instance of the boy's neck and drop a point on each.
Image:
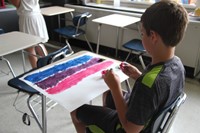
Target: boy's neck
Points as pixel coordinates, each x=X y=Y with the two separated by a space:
x=163 y=55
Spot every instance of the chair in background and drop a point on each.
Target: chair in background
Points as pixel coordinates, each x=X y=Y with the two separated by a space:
x=77 y=29
x=34 y=97
x=135 y=46
x=162 y=121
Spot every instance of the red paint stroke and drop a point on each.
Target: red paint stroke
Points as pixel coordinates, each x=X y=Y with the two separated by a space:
x=75 y=78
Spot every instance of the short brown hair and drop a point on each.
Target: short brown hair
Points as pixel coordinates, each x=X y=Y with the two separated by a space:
x=168 y=18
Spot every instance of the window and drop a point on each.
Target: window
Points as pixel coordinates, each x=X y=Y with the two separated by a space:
x=128 y=4
x=186 y=2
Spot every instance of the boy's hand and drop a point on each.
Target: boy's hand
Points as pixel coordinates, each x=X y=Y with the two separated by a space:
x=111 y=79
x=130 y=70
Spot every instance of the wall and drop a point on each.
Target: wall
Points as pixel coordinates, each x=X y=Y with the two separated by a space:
x=188 y=50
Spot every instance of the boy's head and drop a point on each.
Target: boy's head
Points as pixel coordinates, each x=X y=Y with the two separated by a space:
x=167 y=18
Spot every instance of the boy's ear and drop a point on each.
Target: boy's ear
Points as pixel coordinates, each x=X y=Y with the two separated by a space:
x=154 y=36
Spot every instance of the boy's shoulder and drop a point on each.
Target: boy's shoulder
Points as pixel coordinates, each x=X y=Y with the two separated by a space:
x=151 y=74
x=166 y=69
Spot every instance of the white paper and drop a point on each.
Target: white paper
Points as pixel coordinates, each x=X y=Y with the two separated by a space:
x=81 y=93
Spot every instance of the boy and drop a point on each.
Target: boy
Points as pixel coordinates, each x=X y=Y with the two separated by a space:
x=162 y=28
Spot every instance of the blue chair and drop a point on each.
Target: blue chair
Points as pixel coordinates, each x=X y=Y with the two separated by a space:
x=23 y=87
x=135 y=45
x=75 y=30
x=162 y=121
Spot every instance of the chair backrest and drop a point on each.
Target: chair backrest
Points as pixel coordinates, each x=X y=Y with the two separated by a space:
x=54 y=56
x=162 y=121
x=81 y=19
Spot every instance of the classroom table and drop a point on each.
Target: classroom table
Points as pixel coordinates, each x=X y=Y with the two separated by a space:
x=116 y=20
x=55 y=10
x=15 y=41
x=85 y=84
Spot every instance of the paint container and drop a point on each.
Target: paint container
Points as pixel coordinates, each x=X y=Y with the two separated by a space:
x=98 y=1
x=185 y=1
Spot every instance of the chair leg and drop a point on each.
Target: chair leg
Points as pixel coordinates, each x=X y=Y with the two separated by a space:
x=88 y=43
x=8 y=64
x=33 y=112
x=141 y=61
x=128 y=56
x=67 y=43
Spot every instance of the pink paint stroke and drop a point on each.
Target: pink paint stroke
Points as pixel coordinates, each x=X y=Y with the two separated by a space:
x=74 y=79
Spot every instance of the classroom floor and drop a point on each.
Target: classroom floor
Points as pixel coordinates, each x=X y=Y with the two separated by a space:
x=58 y=119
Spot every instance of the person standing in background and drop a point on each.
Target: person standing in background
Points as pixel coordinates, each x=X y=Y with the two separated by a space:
x=32 y=22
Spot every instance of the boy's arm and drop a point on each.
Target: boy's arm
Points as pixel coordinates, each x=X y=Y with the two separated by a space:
x=16 y=3
x=113 y=82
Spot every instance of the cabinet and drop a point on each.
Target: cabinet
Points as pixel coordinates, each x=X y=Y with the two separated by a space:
x=9 y=19
x=189 y=48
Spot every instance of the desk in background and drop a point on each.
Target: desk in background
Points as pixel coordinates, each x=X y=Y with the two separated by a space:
x=55 y=11
x=15 y=41
x=116 y=20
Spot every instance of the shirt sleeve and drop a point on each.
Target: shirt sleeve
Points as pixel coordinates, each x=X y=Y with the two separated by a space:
x=142 y=104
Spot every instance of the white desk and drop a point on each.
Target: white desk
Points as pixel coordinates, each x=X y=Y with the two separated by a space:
x=116 y=20
x=14 y=41
x=55 y=10
x=76 y=92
